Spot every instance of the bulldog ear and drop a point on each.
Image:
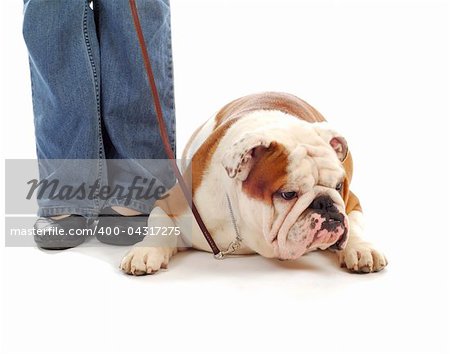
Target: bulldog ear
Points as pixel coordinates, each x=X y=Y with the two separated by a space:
x=336 y=141
x=240 y=157
x=340 y=147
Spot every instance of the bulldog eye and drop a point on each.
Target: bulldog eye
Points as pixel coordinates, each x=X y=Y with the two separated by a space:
x=288 y=195
x=339 y=186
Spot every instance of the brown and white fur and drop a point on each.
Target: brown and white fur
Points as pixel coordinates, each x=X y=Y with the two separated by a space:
x=256 y=149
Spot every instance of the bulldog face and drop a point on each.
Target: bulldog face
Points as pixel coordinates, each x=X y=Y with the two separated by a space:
x=290 y=179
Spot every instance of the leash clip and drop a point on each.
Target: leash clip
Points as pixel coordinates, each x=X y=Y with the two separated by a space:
x=232 y=247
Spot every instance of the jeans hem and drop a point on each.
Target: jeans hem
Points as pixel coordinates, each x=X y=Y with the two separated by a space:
x=143 y=207
x=62 y=210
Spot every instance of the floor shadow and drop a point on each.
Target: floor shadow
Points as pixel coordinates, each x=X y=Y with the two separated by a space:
x=198 y=264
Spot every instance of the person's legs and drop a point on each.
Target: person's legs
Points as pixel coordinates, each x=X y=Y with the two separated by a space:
x=69 y=106
x=128 y=112
x=65 y=75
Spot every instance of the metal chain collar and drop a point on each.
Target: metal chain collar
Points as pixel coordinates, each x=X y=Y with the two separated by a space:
x=236 y=243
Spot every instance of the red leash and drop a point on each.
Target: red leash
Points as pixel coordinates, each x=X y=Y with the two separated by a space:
x=163 y=128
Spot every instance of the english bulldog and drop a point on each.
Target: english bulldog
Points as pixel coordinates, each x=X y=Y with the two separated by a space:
x=268 y=176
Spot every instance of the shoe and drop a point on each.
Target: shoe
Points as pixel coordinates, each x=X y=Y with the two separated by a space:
x=119 y=230
x=56 y=234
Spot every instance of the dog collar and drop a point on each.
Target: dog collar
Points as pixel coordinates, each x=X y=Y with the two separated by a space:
x=236 y=243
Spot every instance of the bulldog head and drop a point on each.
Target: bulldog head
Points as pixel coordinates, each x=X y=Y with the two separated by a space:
x=291 y=186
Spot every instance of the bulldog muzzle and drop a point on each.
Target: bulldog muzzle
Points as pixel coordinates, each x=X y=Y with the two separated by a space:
x=320 y=225
x=331 y=220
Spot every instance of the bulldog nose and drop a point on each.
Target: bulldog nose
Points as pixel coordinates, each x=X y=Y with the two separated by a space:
x=323 y=203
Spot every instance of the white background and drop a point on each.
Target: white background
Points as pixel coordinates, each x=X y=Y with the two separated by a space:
x=379 y=71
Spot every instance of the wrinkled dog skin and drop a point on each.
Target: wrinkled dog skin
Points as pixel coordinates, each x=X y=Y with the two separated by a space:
x=287 y=174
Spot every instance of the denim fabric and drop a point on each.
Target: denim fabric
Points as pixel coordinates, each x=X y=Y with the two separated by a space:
x=91 y=98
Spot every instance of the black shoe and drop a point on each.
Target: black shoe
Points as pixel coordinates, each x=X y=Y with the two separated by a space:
x=119 y=230
x=57 y=234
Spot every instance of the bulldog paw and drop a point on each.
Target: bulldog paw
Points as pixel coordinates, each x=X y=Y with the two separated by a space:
x=146 y=260
x=362 y=258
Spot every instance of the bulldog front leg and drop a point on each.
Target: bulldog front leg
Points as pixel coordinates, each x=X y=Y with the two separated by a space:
x=142 y=260
x=151 y=254
x=360 y=256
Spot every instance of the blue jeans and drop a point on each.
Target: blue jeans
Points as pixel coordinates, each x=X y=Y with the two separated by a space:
x=91 y=98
